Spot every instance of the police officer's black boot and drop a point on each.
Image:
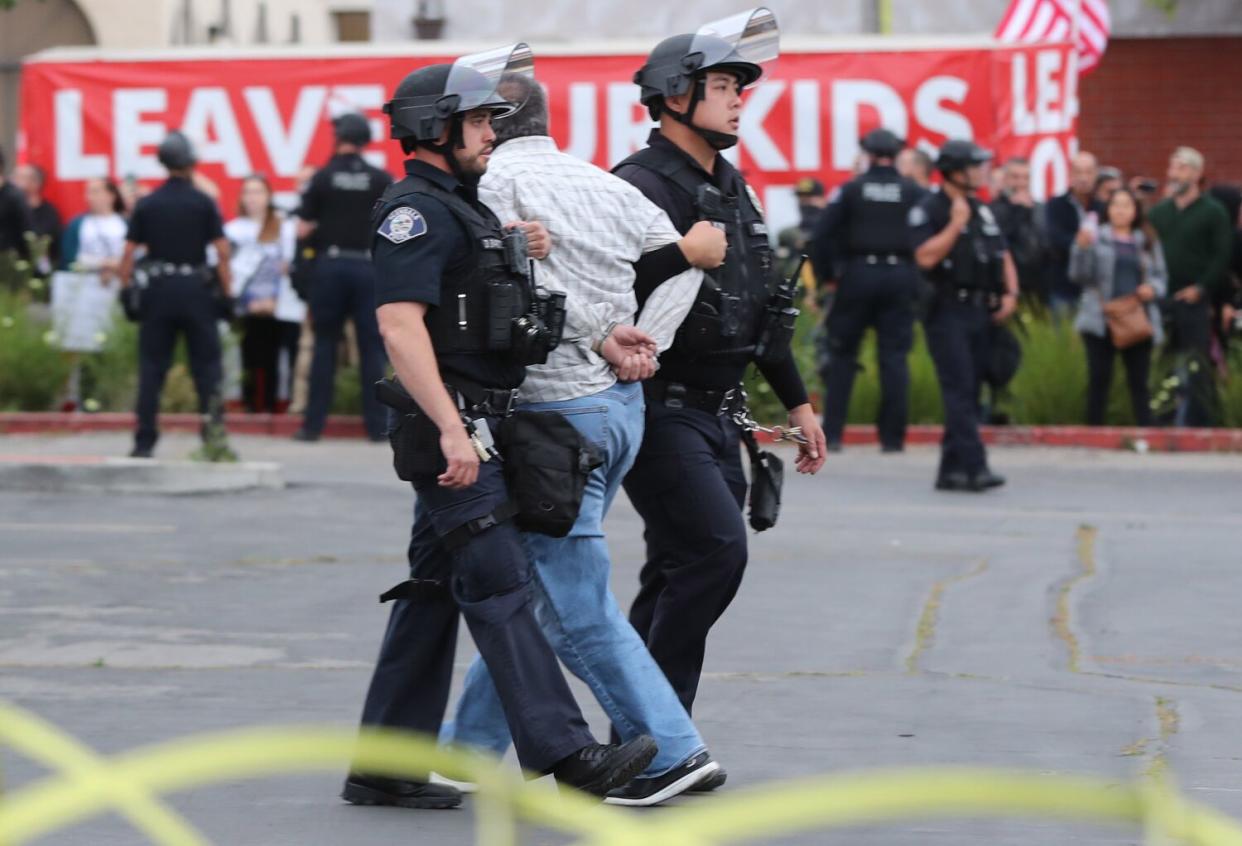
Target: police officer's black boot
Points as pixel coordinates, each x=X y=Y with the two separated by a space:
x=399 y=793
x=599 y=768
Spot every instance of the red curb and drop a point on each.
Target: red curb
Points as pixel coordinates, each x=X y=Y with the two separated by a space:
x=347 y=426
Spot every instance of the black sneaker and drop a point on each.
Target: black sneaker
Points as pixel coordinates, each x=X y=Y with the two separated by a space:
x=643 y=792
x=707 y=785
x=374 y=790
x=141 y=452
x=987 y=479
x=306 y=436
x=598 y=768
x=956 y=481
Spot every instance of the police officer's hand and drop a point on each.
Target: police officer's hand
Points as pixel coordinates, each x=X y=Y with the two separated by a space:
x=1008 y=305
x=813 y=453
x=463 y=461
x=704 y=246
x=959 y=212
x=538 y=239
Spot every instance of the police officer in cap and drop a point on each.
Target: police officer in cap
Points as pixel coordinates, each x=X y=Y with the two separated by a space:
x=179 y=294
x=864 y=232
x=962 y=251
x=445 y=283
x=687 y=482
x=333 y=216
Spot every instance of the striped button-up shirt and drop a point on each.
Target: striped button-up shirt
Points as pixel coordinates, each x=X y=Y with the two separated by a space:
x=600 y=225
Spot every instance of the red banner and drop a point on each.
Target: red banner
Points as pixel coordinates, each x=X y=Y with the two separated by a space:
x=105 y=117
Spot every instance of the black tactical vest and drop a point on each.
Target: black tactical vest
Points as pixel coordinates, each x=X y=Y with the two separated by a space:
x=724 y=321
x=977 y=260
x=879 y=203
x=479 y=295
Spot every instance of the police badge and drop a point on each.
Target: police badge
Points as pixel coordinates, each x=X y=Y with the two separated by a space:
x=403 y=224
x=754 y=200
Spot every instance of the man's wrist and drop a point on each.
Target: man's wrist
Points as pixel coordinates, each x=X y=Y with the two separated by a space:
x=598 y=346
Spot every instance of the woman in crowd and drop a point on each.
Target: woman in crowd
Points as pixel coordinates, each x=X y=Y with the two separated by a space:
x=1119 y=257
x=94 y=240
x=263 y=242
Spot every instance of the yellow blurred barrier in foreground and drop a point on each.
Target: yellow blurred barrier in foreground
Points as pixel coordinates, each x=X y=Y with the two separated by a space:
x=86 y=785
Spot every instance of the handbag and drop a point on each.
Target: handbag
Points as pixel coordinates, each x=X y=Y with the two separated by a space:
x=1127 y=320
x=767 y=475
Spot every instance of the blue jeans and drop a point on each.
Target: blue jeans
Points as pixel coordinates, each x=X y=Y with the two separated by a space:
x=577 y=611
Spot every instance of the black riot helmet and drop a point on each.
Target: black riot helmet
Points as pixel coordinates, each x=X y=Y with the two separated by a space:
x=882 y=143
x=176 y=152
x=351 y=128
x=959 y=154
x=430 y=98
x=738 y=44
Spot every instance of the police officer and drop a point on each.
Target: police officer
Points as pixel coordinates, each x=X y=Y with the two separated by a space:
x=864 y=231
x=179 y=294
x=962 y=252
x=687 y=483
x=445 y=284
x=333 y=216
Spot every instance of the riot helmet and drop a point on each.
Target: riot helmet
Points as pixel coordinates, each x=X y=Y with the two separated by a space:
x=738 y=44
x=176 y=152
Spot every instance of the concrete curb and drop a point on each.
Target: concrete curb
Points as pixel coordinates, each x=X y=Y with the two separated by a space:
x=99 y=474
x=345 y=426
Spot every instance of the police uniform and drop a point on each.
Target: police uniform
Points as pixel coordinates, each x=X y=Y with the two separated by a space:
x=865 y=230
x=176 y=222
x=339 y=200
x=967 y=285
x=434 y=243
x=687 y=482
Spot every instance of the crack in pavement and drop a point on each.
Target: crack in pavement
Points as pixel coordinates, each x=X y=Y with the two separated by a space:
x=1062 y=618
x=925 y=630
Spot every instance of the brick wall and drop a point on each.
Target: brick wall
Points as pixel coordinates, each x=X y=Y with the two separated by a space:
x=1151 y=95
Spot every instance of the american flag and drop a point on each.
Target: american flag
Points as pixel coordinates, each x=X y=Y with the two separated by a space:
x=1029 y=21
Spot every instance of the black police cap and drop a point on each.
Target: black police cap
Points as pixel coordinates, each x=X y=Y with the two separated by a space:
x=352 y=128
x=882 y=142
x=959 y=154
x=176 y=152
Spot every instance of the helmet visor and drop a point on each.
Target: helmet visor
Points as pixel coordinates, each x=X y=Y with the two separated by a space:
x=753 y=36
x=474 y=78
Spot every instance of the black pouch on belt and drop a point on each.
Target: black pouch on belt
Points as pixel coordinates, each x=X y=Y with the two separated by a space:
x=767 y=475
x=547 y=463
x=415 y=439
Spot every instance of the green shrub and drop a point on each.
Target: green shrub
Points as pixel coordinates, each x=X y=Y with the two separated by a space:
x=33 y=370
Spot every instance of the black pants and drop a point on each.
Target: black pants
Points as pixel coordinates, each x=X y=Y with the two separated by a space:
x=260 y=352
x=488 y=582
x=957 y=337
x=173 y=306
x=1137 y=360
x=879 y=296
x=1190 y=341
x=688 y=486
x=344 y=288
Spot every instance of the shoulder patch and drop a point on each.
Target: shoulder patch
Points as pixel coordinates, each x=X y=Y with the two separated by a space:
x=754 y=199
x=917 y=216
x=403 y=224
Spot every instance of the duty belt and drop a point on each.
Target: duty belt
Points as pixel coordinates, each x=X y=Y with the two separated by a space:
x=678 y=395
x=883 y=258
x=493 y=402
x=974 y=296
x=157 y=269
x=341 y=252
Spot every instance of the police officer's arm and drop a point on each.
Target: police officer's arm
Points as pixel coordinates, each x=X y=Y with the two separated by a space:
x=409 y=349
x=308 y=206
x=823 y=246
x=214 y=232
x=126 y=271
x=135 y=237
x=932 y=251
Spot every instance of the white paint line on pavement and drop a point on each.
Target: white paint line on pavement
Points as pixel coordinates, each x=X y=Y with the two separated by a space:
x=91 y=528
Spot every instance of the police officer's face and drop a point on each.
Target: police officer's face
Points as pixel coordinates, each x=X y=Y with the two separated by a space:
x=721 y=107
x=478 y=140
x=975 y=175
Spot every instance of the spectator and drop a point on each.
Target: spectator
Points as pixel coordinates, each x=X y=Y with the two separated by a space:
x=263 y=242
x=792 y=240
x=1197 y=237
x=914 y=163
x=1124 y=258
x=100 y=232
x=1109 y=180
x=44 y=218
x=1063 y=217
x=14 y=216
x=1021 y=219
x=1229 y=297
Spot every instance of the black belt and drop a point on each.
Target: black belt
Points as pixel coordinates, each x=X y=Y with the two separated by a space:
x=493 y=402
x=678 y=395
x=156 y=269
x=341 y=252
x=883 y=258
x=974 y=296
